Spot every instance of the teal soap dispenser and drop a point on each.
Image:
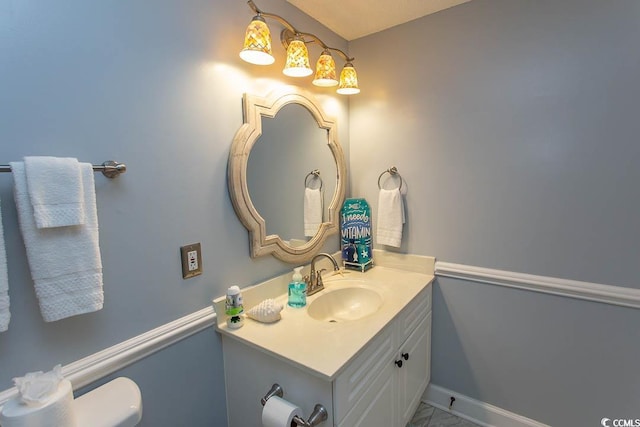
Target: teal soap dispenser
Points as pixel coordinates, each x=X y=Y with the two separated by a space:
x=297 y=290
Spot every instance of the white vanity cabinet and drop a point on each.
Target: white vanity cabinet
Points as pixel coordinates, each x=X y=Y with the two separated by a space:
x=378 y=387
x=383 y=385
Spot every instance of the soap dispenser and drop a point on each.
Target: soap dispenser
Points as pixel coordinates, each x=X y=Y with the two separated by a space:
x=297 y=290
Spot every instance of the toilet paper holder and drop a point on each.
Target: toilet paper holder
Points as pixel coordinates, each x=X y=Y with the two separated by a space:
x=318 y=415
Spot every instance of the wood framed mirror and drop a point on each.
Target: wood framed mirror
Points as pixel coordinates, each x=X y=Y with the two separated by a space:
x=284 y=137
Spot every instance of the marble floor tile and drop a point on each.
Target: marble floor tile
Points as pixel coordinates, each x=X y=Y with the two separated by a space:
x=428 y=416
x=422 y=416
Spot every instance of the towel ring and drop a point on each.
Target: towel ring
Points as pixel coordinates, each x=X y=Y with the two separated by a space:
x=313 y=174
x=393 y=171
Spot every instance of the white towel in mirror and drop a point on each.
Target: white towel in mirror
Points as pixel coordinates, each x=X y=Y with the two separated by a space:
x=312 y=211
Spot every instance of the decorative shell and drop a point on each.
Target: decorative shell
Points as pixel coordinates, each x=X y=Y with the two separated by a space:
x=268 y=311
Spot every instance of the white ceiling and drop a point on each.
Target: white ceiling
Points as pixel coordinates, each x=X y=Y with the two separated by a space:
x=352 y=19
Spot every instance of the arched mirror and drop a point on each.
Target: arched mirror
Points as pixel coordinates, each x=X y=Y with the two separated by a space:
x=286 y=155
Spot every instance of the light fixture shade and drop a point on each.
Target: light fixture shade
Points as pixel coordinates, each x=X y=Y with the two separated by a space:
x=257 y=43
x=325 y=70
x=297 y=60
x=348 y=80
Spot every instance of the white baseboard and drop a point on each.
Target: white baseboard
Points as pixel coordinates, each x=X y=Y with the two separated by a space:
x=474 y=410
x=607 y=294
x=85 y=371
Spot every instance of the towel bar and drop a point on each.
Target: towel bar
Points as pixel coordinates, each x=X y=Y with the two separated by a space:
x=110 y=168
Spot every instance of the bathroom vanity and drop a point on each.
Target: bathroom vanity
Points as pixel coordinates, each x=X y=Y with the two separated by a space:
x=368 y=366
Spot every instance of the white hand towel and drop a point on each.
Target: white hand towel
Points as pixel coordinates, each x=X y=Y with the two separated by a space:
x=312 y=211
x=390 y=217
x=5 y=315
x=65 y=262
x=55 y=190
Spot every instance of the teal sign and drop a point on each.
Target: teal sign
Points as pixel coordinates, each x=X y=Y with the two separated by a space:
x=355 y=234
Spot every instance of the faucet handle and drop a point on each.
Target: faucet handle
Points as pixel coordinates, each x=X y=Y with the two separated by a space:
x=319 y=283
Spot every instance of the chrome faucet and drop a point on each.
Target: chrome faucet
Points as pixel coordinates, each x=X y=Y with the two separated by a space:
x=314 y=279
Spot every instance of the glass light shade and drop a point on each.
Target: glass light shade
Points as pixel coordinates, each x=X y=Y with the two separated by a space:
x=348 y=80
x=297 y=60
x=325 y=71
x=257 y=43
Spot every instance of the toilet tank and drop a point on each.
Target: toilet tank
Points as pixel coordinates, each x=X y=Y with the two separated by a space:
x=117 y=403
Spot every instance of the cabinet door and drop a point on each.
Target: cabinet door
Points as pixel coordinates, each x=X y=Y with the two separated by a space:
x=359 y=376
x=414 y=375
x=377 y=407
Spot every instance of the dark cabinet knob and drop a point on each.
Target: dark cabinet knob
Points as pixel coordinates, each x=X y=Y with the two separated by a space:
x=399 y=363
x=405 y=356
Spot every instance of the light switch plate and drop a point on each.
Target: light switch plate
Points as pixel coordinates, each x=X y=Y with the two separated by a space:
x=191 y=260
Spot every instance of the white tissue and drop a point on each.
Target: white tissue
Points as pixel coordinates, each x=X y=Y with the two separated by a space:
x=268 y=311
x=45 y=399
x=35 y=388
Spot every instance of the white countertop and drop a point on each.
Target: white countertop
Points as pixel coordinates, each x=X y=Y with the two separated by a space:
x=323 y=348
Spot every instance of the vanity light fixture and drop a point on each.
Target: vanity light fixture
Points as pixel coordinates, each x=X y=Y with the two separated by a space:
x=257 y=43
x=348 y=80
x=257 y=50
x=297 y=59
x=325 y=70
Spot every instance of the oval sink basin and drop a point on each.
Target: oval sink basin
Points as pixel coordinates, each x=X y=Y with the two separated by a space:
x=345 y=304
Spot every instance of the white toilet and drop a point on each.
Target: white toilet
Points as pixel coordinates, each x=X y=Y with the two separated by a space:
x=117 y=403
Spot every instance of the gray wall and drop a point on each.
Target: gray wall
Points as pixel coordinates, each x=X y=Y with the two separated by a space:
x=514 y=125
x=157 y=85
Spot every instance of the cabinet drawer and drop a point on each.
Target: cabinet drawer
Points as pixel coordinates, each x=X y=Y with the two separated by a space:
x=361 y=372
x=415 y=312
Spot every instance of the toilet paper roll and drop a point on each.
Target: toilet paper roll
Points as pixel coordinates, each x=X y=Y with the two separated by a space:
x=58 y=411
x=278 y=412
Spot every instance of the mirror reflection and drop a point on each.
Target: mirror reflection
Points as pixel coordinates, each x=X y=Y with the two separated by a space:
x=284 y=137
x=280 y=178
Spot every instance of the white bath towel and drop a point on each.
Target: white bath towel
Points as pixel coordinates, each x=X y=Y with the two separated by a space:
x=55 y=190
x=5 y=315
x=65 y=262
x=312 y=211
x=390 y=217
